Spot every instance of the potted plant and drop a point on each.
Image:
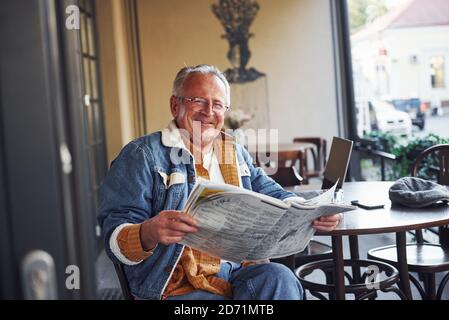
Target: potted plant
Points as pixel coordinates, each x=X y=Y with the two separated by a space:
x=406 y=151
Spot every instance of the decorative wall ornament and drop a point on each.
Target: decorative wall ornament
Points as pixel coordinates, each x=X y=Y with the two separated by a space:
x=236 y=17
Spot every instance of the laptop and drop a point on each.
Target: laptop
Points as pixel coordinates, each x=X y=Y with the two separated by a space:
x=337 y=163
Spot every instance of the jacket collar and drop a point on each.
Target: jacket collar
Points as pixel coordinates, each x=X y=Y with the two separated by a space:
x=171 y=137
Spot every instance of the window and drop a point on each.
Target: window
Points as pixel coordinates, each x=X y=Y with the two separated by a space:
x=437 y=72
x=398 y=58
x=92 y=101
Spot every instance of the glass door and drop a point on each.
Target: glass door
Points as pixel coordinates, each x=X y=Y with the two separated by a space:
x=92 y=103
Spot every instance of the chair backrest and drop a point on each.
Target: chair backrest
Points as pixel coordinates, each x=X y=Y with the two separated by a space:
x=287 y=176
x=288 y=158
x=320 y=157
x=286 y=169
x=441 y=151
x=127 y=295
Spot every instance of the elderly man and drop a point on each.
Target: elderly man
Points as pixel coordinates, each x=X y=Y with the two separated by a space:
x=147 y=186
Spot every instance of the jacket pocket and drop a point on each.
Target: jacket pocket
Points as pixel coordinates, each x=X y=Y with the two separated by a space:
x=244 y=170
x=164 y=177
x=173 y=179
x=176 y=178
x=245 y=176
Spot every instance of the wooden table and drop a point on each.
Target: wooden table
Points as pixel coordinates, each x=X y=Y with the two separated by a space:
x=389 y=219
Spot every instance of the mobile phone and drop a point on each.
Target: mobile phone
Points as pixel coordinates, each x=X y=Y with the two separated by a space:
x=367 y=205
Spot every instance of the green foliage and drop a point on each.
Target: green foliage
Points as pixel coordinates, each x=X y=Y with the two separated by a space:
x=406 y=151
x=362 y=12
x=385 y=141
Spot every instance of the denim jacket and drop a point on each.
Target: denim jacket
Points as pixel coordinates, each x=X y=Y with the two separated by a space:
x=136 y=188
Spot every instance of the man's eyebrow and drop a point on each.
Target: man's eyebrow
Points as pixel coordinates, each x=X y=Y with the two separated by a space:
x=214 y=100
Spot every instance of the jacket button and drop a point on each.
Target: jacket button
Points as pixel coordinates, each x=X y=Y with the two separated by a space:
x=168 y=268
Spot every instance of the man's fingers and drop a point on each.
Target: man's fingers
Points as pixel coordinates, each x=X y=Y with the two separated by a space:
x=176 y=225
x=322 y=228
x=170 y=240
x=325 y=223
x=173 y=233
x=179 y=215
x=335 y=217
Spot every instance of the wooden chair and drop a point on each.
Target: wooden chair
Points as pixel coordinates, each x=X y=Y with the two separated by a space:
x=319 y=156
x=287 y=168
x=424 y=258
x=126 y=291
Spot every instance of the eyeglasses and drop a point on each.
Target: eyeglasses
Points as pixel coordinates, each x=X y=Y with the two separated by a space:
x=202 y=103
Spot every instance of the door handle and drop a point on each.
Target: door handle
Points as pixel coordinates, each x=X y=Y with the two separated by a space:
x=66 y=159
x=38 y=276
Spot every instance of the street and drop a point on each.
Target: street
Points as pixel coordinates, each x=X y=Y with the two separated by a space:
x=435 y=124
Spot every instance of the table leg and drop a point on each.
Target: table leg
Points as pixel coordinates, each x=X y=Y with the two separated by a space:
x=429 y=286
x=354 y=249
x=339 y=277
x=401 y=247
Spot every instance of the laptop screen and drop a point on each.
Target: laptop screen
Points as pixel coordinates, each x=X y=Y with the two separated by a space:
x=337 y=164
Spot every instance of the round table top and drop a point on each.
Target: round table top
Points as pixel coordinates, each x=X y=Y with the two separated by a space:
x=387 y=219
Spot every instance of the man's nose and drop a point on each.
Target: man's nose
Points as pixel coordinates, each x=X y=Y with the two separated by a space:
x=208 y=109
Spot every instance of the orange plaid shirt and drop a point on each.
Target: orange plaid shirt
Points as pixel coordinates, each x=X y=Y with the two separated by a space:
x=195 y=269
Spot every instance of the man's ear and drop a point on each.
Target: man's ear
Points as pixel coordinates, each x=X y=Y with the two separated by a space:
x=174 y=106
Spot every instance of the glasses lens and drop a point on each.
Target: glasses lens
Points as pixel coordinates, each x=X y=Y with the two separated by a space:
x=218 y=106
x=201 y=103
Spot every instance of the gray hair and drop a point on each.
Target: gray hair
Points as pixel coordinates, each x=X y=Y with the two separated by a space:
x=185 y=72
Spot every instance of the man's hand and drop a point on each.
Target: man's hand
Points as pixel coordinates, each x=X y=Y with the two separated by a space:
x=166 y=228
x=327 y=223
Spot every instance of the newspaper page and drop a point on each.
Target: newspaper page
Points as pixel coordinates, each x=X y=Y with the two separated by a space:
x=294 y=230
x=236 y=224
x=231 y=224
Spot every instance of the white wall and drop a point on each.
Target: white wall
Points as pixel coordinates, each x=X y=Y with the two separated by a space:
x=415 y=78
x=404 y=78
x=292 y=45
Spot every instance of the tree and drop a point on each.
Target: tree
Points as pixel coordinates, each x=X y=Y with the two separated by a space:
x=362 y=12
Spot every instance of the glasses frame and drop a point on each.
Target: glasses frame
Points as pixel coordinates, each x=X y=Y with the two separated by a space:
x=204 y=101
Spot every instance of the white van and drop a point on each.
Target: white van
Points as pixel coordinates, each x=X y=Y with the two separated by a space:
x=378 y=115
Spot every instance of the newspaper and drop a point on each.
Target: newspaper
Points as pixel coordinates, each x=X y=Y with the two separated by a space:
x=236 y=224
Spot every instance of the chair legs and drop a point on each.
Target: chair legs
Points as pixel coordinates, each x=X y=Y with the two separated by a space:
x=398 y=291
x=418 y=286
x=428 y=290
x=441 y=286
x=329 y=280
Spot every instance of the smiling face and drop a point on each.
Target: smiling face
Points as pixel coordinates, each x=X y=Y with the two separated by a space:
x=202 y=124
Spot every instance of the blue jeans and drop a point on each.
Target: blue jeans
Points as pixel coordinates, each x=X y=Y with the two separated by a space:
x=268 y=281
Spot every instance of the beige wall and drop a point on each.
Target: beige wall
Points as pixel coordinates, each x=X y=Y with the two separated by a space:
x=109 y=77
x=117 y=74
x=292 y=45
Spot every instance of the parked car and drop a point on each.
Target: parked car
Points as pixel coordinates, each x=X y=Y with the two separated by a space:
x=384 y=117
x=414 y=108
